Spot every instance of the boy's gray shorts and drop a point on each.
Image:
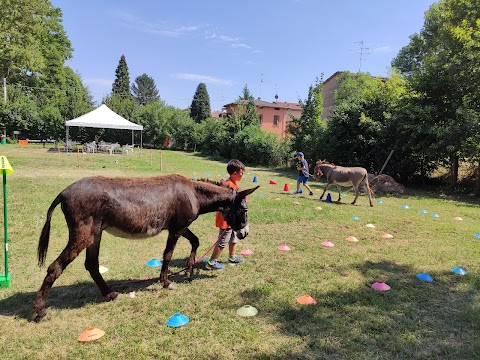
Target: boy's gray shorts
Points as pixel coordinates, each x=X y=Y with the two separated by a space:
x=226 y=236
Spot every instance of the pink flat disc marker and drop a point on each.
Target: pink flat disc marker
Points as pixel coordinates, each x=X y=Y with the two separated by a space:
x=246 y=252
x=284 y=247
x=296 y=203
x=387 y=236
x=352 y=239
x=380 y=286
x=328 y=243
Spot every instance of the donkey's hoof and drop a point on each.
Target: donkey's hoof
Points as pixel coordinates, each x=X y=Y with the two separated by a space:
x=171 y=286
x=42 y=316
x=112 y=296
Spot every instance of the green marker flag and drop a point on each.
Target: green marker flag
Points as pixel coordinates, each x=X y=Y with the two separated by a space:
x=6 y=169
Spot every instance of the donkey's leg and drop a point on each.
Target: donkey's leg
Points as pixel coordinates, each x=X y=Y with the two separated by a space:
x=191 y=260
x=324 y=190
x=339 y=196
x=167 y=257
x=91 y=264
x=76 y=243
x=357 y=191
x=369 y=191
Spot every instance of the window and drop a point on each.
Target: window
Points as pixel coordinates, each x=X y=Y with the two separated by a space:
x=276 y=119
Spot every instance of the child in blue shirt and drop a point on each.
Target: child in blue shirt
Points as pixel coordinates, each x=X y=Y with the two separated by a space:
x=302 y=167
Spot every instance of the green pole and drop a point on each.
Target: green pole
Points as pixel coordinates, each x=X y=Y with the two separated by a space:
x=6 y=169
x=5 y=220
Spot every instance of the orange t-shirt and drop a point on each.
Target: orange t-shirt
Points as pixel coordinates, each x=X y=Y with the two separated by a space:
x=219 y=221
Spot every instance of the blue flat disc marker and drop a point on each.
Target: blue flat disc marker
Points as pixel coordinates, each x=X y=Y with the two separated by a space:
x=425 y=277
x=177 y=320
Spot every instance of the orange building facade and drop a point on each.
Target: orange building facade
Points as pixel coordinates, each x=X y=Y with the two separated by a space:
x=273 y=116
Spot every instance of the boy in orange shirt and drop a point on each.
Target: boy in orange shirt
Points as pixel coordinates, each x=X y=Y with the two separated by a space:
x=236 y=169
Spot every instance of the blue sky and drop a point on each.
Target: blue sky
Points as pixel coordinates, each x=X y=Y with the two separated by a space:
x=275 y=47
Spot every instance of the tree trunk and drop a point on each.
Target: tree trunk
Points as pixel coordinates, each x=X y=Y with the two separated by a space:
x=454 y=169
x=477 y=187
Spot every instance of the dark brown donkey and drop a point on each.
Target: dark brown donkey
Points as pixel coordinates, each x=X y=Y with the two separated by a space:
x=134 y=208
x=344 y=176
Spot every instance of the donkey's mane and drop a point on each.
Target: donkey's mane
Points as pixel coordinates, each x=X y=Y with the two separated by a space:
x=321 y=162
x=210 y=181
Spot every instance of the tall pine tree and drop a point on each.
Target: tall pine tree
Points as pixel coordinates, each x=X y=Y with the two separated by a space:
x=144 y=90
x=121 y=85
x=200 y=108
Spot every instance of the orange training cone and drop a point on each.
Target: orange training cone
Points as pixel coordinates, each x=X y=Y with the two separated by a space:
x=306 y=300
x=91 y=334
x=285 y=188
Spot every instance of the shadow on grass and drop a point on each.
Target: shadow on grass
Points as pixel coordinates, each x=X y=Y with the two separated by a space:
x=77 y=295
x=414 y=319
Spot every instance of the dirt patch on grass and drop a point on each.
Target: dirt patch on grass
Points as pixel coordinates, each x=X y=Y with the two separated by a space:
x=385 y=184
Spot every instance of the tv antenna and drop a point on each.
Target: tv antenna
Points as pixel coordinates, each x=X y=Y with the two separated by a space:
x=261 y=82
x=362 y=51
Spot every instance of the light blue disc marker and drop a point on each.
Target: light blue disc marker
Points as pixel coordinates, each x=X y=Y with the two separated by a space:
x=154 y=263
x=177 y=320
x=423 y=211
x=459 y=271
x=355 y=218
x=425 y=277
x=435 y=215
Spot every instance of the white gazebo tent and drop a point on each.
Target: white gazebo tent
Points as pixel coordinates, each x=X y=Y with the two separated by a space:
x=103 y=117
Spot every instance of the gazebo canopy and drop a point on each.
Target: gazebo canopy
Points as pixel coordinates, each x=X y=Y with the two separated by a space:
x=103 y=117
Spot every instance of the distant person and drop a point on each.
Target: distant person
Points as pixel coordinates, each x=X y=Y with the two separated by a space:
x=226 y=234
x=302 y=167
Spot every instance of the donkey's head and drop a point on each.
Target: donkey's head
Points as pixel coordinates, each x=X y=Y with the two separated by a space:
x=317 y=172
x=236 y=214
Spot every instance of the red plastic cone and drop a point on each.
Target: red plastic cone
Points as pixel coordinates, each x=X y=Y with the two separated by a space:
x=285 y=188
x=273 y=182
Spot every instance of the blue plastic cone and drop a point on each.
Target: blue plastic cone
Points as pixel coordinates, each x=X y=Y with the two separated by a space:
x=425 y=277
x=255 y=179
x=177 y=320
x=329 y=198
x=154 y=263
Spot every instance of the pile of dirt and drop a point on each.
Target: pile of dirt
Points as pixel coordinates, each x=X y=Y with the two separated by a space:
x=385 y=184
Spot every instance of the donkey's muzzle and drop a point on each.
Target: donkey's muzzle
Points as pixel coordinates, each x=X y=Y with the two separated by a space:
x=243 y=233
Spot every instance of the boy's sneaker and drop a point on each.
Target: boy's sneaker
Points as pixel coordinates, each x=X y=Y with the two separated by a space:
x=297 y=192
x=235 y=259
x=311 y=193
x=214 y=265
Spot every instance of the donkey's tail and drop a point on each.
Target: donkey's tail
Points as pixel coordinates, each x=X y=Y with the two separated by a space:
x=368 y=185
x=45 y=235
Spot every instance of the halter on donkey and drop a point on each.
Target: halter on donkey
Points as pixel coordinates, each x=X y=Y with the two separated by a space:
x=344 y=176
x=134 y=208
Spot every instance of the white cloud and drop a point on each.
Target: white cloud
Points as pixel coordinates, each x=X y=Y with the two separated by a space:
x=202 y=78
x=162 y=28
x=245 y=46
x=98 y=82
x=383 y=49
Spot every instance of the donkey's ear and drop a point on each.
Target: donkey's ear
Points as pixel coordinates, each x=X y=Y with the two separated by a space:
x=244 y=193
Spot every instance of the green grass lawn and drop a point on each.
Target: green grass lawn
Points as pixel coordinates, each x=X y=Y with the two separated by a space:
x=415 y=319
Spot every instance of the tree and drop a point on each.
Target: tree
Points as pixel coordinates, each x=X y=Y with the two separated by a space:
x=246 y=94
x=443 y=65
x=30 y=34
x=144 y=90
x=121 y=84
x=306 y=131
x=200 y=108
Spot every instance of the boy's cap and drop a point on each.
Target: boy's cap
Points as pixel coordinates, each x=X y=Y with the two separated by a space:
x=299 y=153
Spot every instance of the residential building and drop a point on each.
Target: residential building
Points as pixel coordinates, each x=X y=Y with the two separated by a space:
x=273 y=116
x=328 y=92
